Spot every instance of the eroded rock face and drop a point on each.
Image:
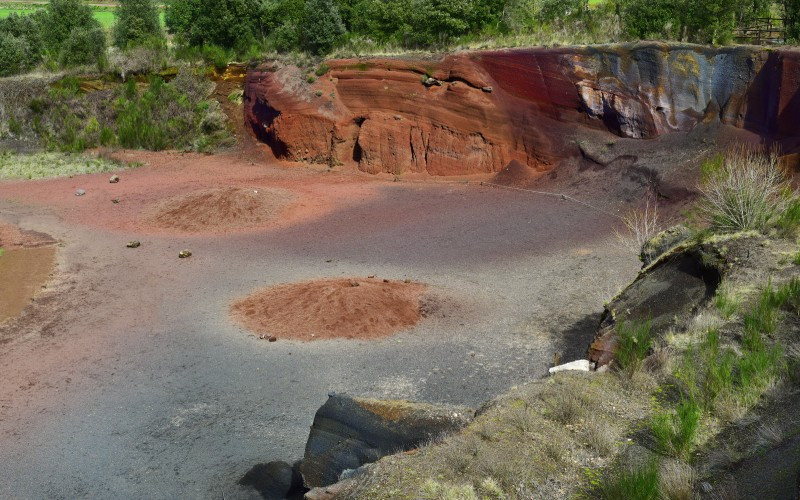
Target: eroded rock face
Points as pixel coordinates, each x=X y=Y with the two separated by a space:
x=381 y=115
x=349 y=432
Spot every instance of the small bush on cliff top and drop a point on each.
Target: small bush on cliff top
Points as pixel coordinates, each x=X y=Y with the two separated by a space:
x=137 y=22
x=745 y=192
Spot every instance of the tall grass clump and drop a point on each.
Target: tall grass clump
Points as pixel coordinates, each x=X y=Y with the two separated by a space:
x=789 y=221
x=635 y=340
x=640 y=482
x=727 y=302
x=675 y=431
x=746 y=190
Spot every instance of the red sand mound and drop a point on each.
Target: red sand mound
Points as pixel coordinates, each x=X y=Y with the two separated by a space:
x=339 y=308
x=225 y=209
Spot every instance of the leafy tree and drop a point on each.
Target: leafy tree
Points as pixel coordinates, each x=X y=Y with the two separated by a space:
x=61 y=19
x=322 y=26
x=21 y=47
x=231 y=24
x=137 y=21
x=792 y=14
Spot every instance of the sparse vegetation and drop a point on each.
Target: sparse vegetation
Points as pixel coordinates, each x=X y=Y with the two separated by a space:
x=43 y=165
x=726 y=301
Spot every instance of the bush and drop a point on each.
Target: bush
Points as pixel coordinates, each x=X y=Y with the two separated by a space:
x=20 y=43
x=789 y=220
x=745 y=192
x=635 y=341
x=137 y=22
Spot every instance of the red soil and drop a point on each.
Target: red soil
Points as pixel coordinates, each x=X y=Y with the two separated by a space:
x=338 y=308
x=228 y=208
x=13 y=237
x=151 y=197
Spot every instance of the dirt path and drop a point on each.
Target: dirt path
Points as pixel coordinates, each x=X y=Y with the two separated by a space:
x=129 y=379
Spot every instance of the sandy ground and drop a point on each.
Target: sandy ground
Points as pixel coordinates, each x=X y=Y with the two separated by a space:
x=128 y=378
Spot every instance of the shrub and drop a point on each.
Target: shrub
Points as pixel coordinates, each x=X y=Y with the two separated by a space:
x=20 y=43
x=745 y=192
x=641 y=483
x=635 y=341
x=322 y=70
x=137 y=22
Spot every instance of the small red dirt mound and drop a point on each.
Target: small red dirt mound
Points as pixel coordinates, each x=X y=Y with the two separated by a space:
x=338 y=308
x=515 y=174
x=222 y=209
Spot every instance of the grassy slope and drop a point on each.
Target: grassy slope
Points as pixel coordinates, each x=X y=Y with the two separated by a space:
x=562 y=437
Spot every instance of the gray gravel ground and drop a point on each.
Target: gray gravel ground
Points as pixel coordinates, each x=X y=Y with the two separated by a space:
x=132 y=382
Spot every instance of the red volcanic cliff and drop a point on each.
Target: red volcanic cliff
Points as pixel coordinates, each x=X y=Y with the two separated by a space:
x=482 y=110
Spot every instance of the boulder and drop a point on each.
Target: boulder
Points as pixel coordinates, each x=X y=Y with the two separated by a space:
x=671 y=290
x=274 y=480
x=349 y=432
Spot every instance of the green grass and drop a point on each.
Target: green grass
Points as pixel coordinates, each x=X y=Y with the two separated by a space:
x=44 y=165
x=675 y=431
x=641 y=483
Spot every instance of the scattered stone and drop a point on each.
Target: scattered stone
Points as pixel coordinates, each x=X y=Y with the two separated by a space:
x=134 y=244
x=487 y=89
x=80 y=192
x=184 y=254
x=372 y=276
x=581 y=365
x=354 y=283
x=430 y=82
x=350 y=432
x=385 y=281
x=114 y=179
x=406 y=281
x=274 y=339
x=115 y=201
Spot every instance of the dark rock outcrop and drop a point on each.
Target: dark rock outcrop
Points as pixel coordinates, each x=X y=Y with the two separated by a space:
x=349 y=432
x=671 y=289
x=380 y=115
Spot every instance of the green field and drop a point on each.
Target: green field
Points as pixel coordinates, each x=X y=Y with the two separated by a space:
x=104 y=15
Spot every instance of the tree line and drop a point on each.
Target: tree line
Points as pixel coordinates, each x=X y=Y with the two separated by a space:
x=65 y=34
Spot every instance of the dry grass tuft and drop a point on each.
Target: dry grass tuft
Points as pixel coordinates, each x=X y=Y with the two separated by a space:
x=600 y=437
x=641 y=225
x=677 y=480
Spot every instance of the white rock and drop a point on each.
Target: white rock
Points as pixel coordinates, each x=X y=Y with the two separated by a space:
x=581 y=365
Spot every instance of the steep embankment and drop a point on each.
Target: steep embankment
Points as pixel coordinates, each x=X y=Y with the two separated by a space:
x=474 y=112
